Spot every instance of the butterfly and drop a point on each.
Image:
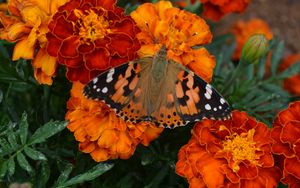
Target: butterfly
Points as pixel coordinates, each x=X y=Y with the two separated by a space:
x=159 y=90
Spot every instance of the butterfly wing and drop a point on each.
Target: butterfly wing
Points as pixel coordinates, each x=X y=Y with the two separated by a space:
x=186 y=98
x=120 y=89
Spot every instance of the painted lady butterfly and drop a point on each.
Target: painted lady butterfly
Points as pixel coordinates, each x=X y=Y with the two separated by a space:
x=157 y=90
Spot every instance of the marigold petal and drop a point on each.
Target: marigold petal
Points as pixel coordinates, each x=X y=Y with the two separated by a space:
x=108 y=138
x=98 y=59
x=23 y=49
x=203 y=64
x=100 y=154
x=46 y=62
x=62 y=29
x=247 y=171
x=120 y=44
x=78 y=74
x=124 y=144
x=87 y=147
x=290 y=132
x=278 y=147
x=68 y=48
x=292 y=166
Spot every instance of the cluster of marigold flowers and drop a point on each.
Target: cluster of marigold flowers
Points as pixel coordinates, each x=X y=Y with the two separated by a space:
x=90 y=36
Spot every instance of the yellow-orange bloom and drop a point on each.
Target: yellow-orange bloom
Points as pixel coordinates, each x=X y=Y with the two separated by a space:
x=100 y=132
x=231 y=153
x=291 y=84
x=163 y=24
x=243 y=30
x=27 y=25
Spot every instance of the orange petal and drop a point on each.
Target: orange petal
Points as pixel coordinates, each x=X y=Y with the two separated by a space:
x=46 y=62
x=24 y=49
x=100 y=154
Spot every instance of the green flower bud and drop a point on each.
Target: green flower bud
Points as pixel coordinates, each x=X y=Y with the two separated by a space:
x=255 y=47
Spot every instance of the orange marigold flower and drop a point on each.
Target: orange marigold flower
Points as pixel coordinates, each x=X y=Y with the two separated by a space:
x=231 y=153
x=243 y=30
x=89 y=37
x=100 y=132
x=179 y=30
x=216 y=9
x=26 y=25
x=286 y=135
x=291 y=84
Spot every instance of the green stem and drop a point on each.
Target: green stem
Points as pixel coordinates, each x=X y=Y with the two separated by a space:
x=237 y=73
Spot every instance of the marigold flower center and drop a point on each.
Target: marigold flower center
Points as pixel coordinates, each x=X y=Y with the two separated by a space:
x=242 y=147
x=91 y=25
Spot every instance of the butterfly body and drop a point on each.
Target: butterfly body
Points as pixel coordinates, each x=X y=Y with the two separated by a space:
x=157 y=90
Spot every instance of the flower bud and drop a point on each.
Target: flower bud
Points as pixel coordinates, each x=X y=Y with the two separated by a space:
x=255 y=47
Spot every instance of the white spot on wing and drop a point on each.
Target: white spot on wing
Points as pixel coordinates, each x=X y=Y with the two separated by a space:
x=98 y=90
x=94 y=87
x=222 y=101
x=104 y=90
x=95 y=80
x=207 y=95
x=215 y=109
x=207 y=107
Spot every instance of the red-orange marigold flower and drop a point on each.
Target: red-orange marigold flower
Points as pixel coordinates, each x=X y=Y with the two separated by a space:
x=91 y=36
x=163 y=24
x=243 y=30
x=100 y=132
x=216 y=9
x=231 y=153
x=291 y=84
x=286 y=135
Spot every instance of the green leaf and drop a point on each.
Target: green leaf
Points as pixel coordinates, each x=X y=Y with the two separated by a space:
x=88 y=176
x=34 y=154
x=292 y=70
x=3 y=168
x=11 y=166
x=12 y=141
x=23 y=162
x=158 y=178
x=5 y=147
x=46 y=131
x=43 y=175
x=23 y=126
x=64 y=175
x=261 y=67
x=276 y=56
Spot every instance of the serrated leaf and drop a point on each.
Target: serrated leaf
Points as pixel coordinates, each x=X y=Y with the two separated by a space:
x=3 y=168
x=46 y=131
x=11 y=166
x=64 y=175
x=23 y=162
x=23 y=127
x=261 y=67
x=34 y=154
x=292 y=70
x=43 y=175
x=5 y=147
x=276 y=56
x=12 y=141
x=88 y=176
